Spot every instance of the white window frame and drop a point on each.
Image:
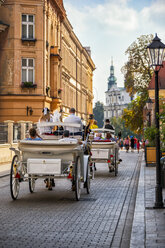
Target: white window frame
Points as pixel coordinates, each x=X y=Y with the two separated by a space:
x=28 y=23
x=27 y=68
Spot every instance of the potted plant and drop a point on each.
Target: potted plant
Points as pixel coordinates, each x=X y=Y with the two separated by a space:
x=28 y=85
x=150 y=147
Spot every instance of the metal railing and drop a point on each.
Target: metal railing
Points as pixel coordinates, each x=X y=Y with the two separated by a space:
x=3 y=133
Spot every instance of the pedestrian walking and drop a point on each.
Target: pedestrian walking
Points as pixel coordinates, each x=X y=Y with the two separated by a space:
x=126 y=143
x=135 y=143
x=138 y=145
x=132 y=144
x=121 y=144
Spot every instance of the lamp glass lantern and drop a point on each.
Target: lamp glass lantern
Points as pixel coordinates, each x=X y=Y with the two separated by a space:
x=149 y=103
x=156 y=52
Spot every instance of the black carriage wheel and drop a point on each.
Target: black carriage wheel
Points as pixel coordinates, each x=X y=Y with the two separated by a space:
x=116 y=165
x=88 y=178
x=14 y=181
x=77 y=179
x=31 y=184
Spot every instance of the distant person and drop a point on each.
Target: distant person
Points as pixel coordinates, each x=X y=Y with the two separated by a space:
x=119 y=134
x=98 y=136
x=72 y=118
x=108 y=125
x=94 y=125
x=45 y=117
x=66 y=137
x=33 y=135
x=138 y=145
x=132 y=144
x=121 y=143
x=135 y=142
x=126 y=143
x=108 y=136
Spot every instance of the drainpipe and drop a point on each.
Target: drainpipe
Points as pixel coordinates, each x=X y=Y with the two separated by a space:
x=76 y=82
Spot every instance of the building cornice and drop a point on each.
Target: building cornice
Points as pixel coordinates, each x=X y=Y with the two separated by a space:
x=60 y=8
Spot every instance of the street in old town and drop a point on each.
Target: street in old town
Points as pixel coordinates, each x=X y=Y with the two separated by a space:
x=117 y=213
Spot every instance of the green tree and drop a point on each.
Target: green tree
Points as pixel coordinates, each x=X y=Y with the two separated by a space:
x=133 y=115
x=162 y=124
x=137 y=73
x=119 y=125
x=98 y=112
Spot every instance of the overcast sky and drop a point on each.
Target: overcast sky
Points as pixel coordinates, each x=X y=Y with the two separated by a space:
x=109 y=27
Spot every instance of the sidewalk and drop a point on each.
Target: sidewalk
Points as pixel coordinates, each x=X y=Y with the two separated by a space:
x=148 y=228
x=4 y=169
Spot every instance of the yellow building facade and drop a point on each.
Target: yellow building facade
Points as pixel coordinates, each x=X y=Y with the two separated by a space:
x=42 y=62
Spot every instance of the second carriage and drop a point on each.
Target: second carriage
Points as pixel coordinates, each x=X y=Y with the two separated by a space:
x=104 y=151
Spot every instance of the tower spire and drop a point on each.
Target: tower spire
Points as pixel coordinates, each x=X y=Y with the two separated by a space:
x=112 y=78
x=111 y=61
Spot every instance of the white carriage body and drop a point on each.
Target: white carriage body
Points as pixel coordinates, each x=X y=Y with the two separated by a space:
x=50 y=158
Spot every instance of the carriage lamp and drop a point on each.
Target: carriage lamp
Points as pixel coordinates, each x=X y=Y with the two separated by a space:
x=156 y=52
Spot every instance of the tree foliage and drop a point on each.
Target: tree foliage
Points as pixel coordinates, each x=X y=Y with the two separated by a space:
x=137 y=71
x=133 y=115
x=98 y=112
x=162 y=124
x=119 y=125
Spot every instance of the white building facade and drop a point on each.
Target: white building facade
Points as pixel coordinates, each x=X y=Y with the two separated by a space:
x=116 y=97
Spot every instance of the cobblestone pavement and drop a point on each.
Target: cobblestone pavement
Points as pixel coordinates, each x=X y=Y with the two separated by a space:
x=149 y=224
x=55 y=219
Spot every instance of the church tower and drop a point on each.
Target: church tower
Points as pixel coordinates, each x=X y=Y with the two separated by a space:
x=112 y=78
x=116 y=97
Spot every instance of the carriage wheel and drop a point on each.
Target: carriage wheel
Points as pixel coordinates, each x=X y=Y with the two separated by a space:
x=77 y=179
x=14 y=178
x=31 y=184
x=116 y=164
x=88 y=177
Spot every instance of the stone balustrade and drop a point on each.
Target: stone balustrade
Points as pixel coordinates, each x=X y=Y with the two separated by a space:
x=21 y=130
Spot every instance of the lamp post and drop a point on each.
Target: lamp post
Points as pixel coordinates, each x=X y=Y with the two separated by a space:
x=149 y=103
x=156 y=52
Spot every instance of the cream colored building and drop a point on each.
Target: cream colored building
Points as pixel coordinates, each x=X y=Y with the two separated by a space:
x=42 y=62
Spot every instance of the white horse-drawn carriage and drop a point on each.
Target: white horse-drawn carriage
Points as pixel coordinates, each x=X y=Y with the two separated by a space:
x=50 y=158
x=104 y=150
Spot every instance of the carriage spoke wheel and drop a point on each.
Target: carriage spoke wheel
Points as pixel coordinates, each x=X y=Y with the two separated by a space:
x=116 y=164
x=88 y=177
x=14 y=178
x=31 y=184
x=77 y=179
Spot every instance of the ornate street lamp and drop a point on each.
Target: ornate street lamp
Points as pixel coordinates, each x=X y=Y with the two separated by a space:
x=156 y=52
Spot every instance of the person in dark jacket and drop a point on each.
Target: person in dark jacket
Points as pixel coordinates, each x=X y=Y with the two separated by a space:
x=108 y=125
x=132 y=143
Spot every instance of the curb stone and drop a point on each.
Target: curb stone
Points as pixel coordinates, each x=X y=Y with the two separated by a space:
x=138 y=227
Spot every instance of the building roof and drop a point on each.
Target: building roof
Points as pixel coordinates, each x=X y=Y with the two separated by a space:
x=161 y=79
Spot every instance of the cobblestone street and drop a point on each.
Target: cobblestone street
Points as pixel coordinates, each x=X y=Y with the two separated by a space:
x=55 y=219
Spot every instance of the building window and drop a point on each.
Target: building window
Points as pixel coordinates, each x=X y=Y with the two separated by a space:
x=28 y=70
x=28 y=25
